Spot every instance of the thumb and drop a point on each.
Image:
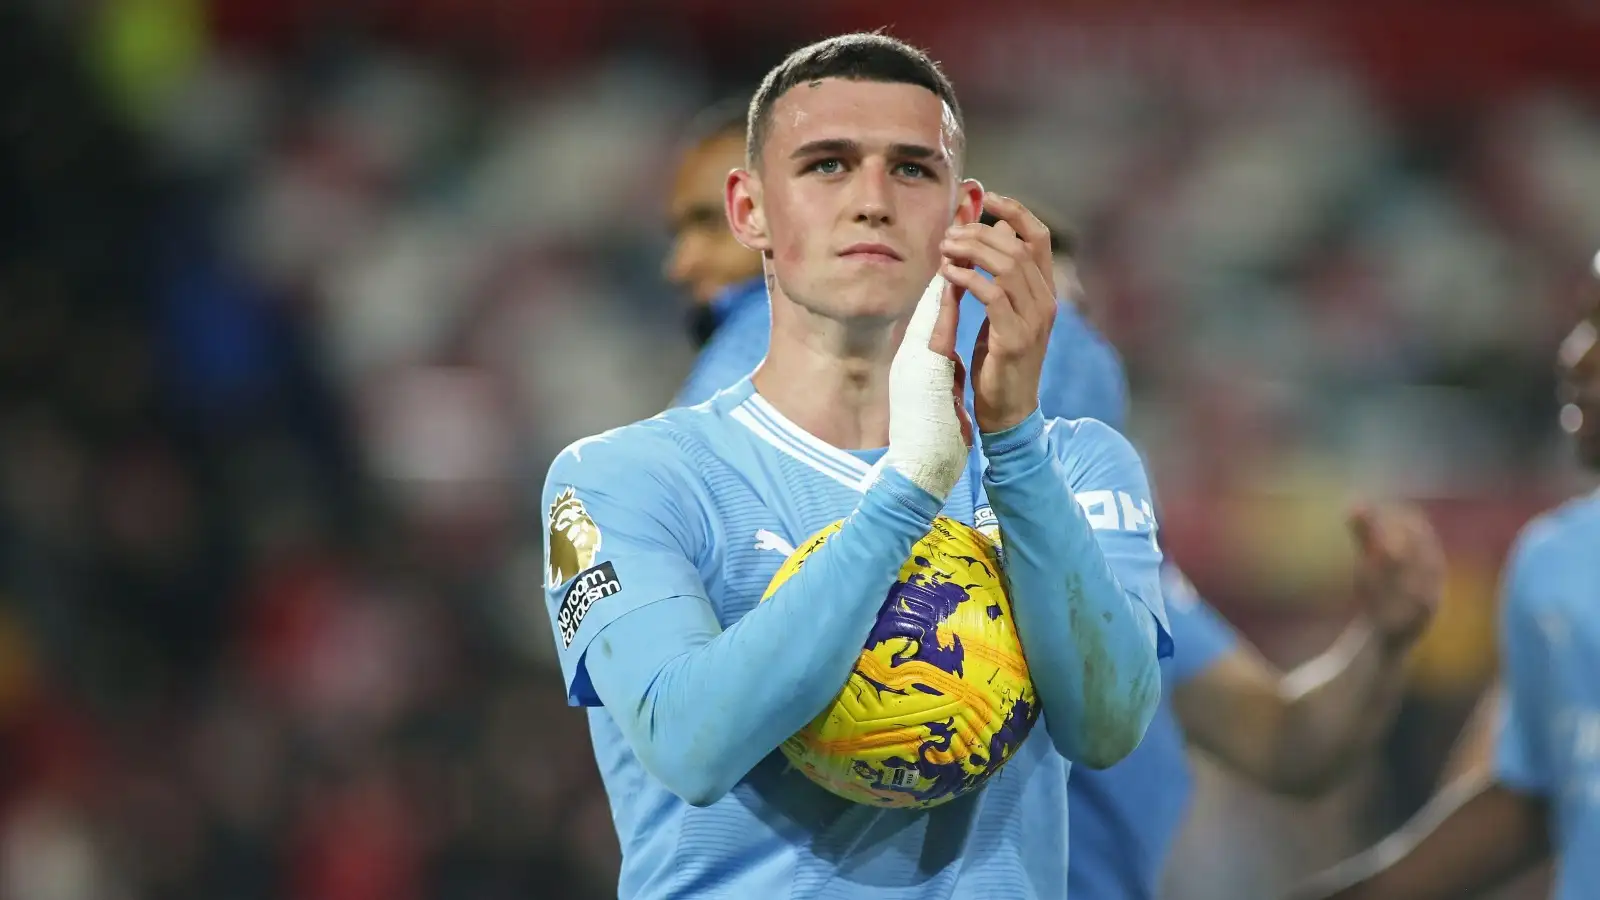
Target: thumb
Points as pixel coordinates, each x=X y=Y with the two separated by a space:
x=926 y=317
x=958 y=391
x=980 y=347
x=943 y=339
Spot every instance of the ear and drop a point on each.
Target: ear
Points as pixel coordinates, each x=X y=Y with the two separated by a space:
x=969 y=202
x=742 y=205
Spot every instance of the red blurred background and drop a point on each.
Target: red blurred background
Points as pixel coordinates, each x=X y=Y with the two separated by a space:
x=299 y=298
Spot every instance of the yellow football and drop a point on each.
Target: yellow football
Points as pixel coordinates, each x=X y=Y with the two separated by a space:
x=940 y=698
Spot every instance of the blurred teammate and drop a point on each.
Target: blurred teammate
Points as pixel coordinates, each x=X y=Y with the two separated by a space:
x=663 y=534
x=1292 y=733
x=721 y=277
x=1543 y=793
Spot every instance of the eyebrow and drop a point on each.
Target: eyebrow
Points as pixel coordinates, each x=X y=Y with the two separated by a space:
x=695 y=214
x=846 y=147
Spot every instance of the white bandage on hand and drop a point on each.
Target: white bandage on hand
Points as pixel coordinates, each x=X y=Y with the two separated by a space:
x=925 y=442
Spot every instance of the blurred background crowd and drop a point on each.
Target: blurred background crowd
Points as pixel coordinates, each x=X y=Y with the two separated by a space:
x=299 y=297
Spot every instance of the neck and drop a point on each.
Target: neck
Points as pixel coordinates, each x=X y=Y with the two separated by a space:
x=830 y=377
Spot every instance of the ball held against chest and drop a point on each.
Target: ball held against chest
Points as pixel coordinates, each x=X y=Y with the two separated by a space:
x=940 y=697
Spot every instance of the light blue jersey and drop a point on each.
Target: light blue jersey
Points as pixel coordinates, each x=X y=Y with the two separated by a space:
x=1084 y=380
x=1125 y=818
x=1549 y=742
x=663 y=536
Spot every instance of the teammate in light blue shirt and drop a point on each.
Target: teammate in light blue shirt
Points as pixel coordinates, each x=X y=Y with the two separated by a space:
x=663 y=534
x=735 y=346
x=1543 y=797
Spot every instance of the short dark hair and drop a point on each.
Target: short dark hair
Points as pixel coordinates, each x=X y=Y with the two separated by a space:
x=863 y=56
x=1063 y=239
x=728 y=117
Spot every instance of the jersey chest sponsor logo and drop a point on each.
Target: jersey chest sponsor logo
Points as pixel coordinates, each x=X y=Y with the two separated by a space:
x=573 y=539
x=591 y=586
x=1116 y=511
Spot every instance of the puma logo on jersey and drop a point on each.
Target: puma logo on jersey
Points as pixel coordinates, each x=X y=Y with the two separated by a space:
x=766 y=540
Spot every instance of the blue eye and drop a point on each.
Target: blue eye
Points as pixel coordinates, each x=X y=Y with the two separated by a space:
x=827 y=167
x=913 y=170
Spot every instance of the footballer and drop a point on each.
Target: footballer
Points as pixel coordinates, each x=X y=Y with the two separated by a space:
x=665 y=529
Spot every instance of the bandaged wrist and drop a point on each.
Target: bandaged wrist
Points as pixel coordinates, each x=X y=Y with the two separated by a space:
x=925 y=441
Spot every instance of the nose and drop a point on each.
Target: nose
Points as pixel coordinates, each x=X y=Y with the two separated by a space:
x=679 y=266
x=874 y=199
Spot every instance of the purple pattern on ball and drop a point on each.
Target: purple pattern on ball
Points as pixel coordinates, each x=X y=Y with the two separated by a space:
x=951 y=778
x=1012 y=732
x=913 y=611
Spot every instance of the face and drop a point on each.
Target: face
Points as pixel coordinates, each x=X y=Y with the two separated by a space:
x=1579 y=366
x=855 y=188
x=706 y=257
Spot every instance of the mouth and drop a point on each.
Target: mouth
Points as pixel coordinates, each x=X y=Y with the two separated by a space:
x=879 y=253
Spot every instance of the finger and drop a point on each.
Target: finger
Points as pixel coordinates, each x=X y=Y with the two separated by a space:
x=997 y=250
x=943 y=338
x=1021 y=219
x=1373 y=529
x=1028 y=227
x=958 y=389
x=1013 y=271
x=1378 y=540
x=1409 y=531
x=1364 y=530
x=982 y=247
x=980 y=349
x=925 y=317
x=996 y=302
x=1388 y=536
x=1423 y=546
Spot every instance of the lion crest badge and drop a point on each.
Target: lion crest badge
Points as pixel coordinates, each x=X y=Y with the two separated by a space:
x=572 y=542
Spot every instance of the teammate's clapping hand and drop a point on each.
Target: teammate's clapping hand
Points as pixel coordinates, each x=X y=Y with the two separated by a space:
x=1021 y=303
x=1400 y=569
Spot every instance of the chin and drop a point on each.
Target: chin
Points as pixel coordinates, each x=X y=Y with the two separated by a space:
x=882 y=305
x=858 y=298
